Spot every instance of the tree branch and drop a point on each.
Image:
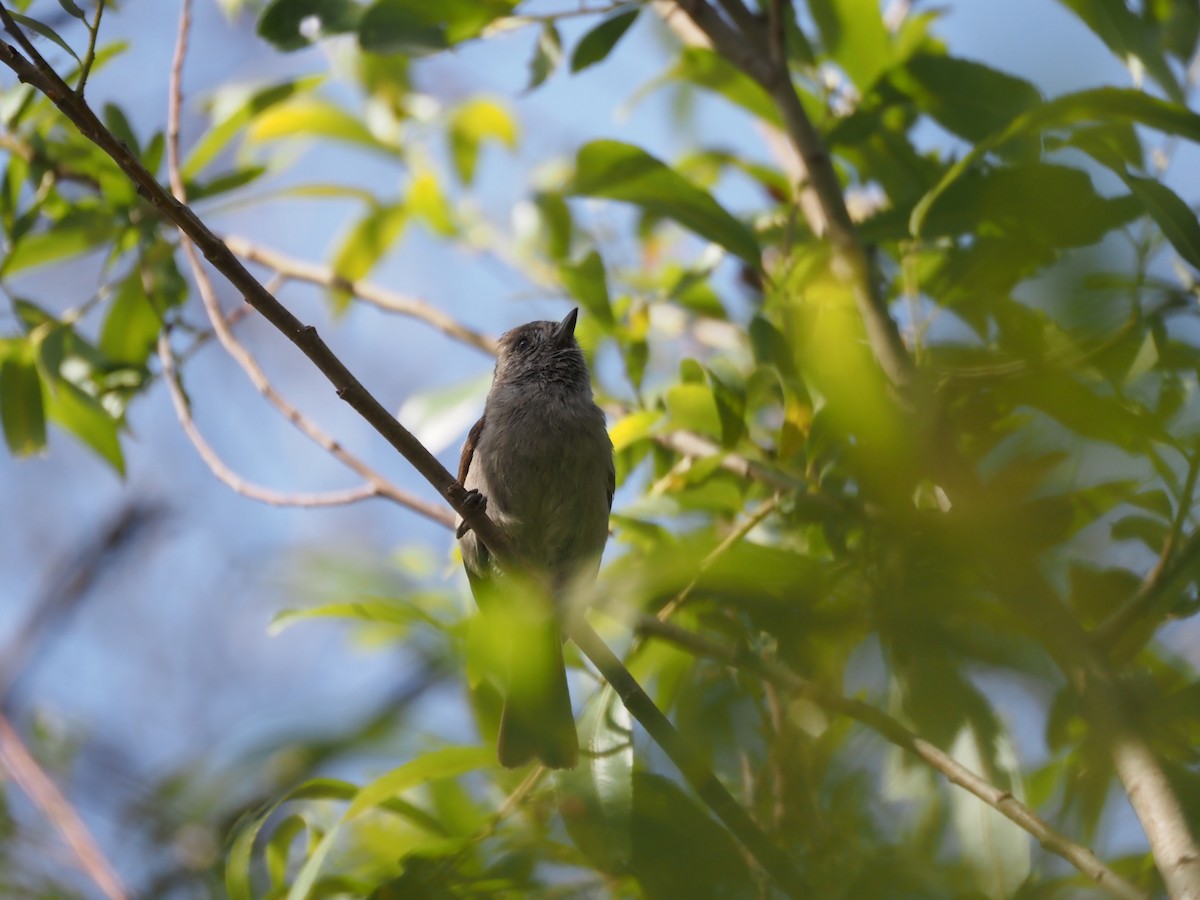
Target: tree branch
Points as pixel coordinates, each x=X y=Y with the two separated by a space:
x=377 y=485
x=349 y=389
x=765 y=60
x=36 y=784
x=391 y=301
x=890 y=729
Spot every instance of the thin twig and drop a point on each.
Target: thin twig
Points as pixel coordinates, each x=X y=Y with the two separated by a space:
x=217 y=465
x=767 y=65
x=1158 y=581
x=781 y=868
x=391 y=301
x=25 y=771
x=377 y=485
x=777 y=673
x=736 y=536
x=85 y=68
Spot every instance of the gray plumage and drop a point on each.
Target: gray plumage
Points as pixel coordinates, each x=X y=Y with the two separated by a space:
x=541 y=461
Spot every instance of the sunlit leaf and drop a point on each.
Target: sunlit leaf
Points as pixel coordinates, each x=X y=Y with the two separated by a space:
x=473 y=123
x=618 y=171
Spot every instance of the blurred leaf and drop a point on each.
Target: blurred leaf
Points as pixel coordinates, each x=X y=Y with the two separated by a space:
x=1179 y=22
x=44 y=30
x=587 y=282
x=594 y=46
x=691 y=407
x=132 y=324
x=623 y=172
x=285 y=22
x=446 y=762
x=470 y=125
x=311 y=117
x=704 y=68
x=428 y=203
x=365 y=610
x=996 y=848
x=678 y=851
x=1125 y=35
x=370 y=238
x=632 y=428
x=79 y=231
x=278 y=847
x=1171 y=214
x=547 y=54
x=84 y=417
x=1108 y=106
x=417 y=27
x=440 y=416
x=964 y=97
x=235 y=109
x=596 y=798
x=853 y=34
x=21 y=410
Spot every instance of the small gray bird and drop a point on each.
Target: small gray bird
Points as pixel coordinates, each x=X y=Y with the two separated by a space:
x=541 y=463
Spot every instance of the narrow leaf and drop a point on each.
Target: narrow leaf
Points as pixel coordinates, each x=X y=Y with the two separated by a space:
x=21 y=410
x=599 y=42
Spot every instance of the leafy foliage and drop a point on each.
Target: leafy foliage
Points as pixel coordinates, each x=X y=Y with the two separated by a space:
x=924 y=546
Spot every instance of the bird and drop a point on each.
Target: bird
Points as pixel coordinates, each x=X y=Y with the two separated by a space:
x=540 y=463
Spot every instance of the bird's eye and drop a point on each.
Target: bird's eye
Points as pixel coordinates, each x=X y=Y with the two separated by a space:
x=523 y=343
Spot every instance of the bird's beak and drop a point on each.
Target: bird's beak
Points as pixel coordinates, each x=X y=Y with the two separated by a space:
x=565 y=332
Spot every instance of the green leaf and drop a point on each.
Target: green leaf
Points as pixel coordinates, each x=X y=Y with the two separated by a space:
x=547 y=54
x=1109 y=106
x=623 y=172
x=281 y=21
x=470 y=125
x=44 y=30
x=418 y=27
x=83 y=416
x=1171 y=214
x=679 y=851
x=361 y=610
x=278 y=847
x=132 y=324
x=426 y=201
x=691 y=407
x=1126 y=36
x=853 y=34
x=596 y=798
x=237 y=862
x=71 y=8
x=306 y=117
x=713 y=72
x=21 y=410
x=600 y=40
x=587 y=282
x=234 y=110
x=448 y=762
x=964 y=97
x=79 y=231
x=368 y=241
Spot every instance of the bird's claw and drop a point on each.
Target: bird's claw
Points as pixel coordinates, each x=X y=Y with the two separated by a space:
x=474 y=502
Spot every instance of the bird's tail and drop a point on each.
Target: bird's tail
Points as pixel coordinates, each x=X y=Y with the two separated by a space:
x=537 y=722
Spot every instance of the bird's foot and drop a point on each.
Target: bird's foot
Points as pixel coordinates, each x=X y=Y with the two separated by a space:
x=474 y=502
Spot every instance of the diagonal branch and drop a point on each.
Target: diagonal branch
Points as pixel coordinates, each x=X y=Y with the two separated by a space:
x=762 y=55
x=377 y=485
x=16 y=760
x=780 y=867
x=391 y=301
x=896 y=733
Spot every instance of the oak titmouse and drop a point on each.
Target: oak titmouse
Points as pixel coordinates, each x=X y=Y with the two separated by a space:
x=542 y=462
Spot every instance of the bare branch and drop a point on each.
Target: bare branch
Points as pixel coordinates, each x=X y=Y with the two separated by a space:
x=893 y=731
x=377 y=485
x=781 y=868
x=391 y=301
x=36 y=784
x=767 y=64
